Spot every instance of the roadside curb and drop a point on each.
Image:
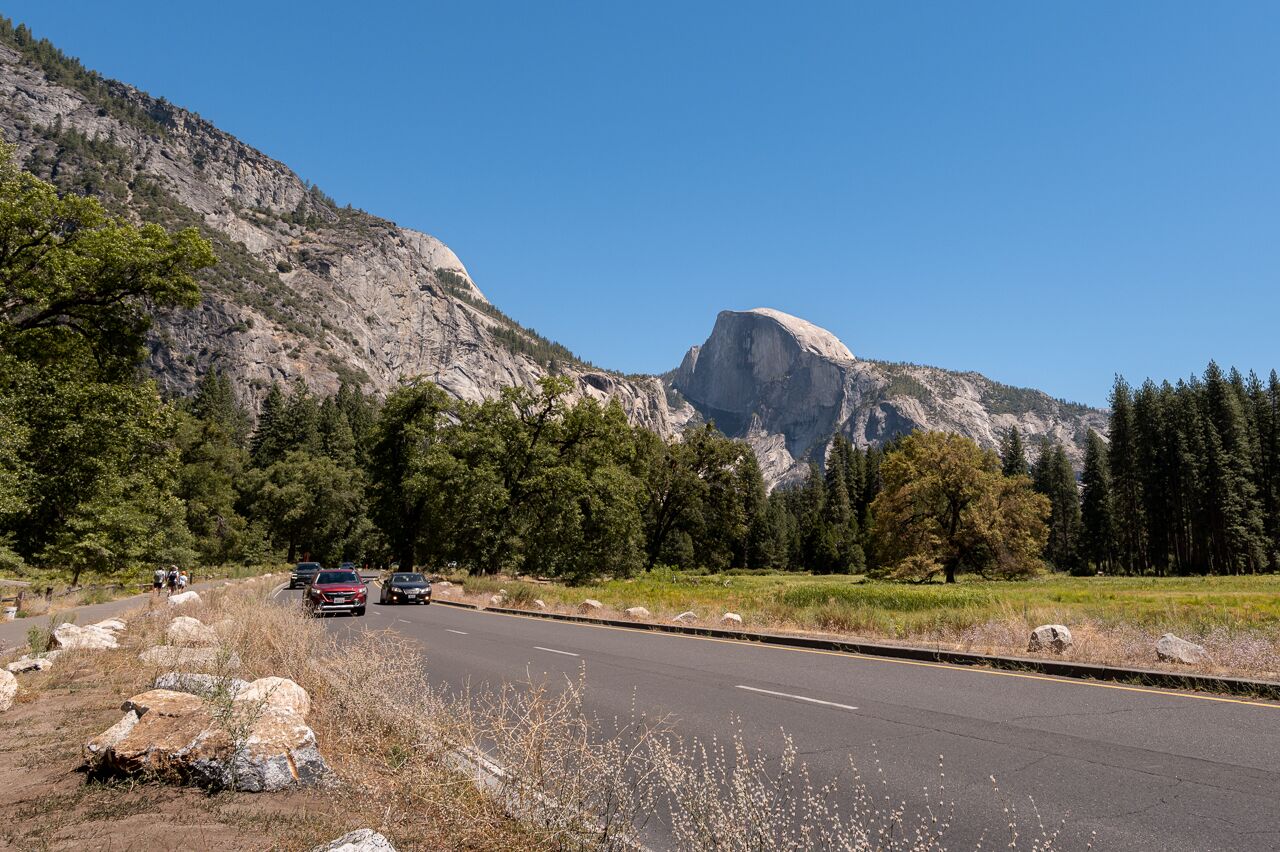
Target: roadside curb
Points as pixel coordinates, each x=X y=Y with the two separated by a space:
x=1055 y=668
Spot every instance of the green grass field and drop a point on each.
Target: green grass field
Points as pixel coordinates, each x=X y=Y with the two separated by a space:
x=852 y=604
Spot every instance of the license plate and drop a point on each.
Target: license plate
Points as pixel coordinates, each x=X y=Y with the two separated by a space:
x=339 y=599
x=412 y=594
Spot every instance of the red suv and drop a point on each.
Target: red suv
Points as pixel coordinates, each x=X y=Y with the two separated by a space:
x=335 y=591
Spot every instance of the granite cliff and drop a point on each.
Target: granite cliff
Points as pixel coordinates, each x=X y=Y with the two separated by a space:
x=309 y=291
x=787 y=386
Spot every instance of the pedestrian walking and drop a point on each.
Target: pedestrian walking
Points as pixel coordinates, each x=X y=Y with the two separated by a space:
x=157 y=581
x=172 y=578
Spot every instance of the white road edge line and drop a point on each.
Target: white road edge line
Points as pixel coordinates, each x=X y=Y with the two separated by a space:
x=278 y=589
x=554 y=651
x=459 y=632
x=797 y=697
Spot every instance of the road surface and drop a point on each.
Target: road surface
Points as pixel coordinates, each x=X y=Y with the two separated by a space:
x=1145 y=769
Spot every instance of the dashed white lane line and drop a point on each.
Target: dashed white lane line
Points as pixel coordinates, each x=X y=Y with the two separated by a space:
x=403 y=620
x=459 y=632
x=797 y=697
x=554 y=651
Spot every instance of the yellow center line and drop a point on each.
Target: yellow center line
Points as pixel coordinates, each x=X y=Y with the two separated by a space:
x=875 y=659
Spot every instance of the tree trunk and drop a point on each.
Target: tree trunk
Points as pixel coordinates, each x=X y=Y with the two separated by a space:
x=950 y=568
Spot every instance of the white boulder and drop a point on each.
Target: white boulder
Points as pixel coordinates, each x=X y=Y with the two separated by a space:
x=194 y=659
x=278 y=692
x=496 y=600
x=185 y=630
x=33 y=662
x=362 y=840
x=731 y=618
x=637 y=612
x=183 y=598
x=68 y=636
x=686 y=616
x=1050 y=637
x=204 y=685
x=113 y=625
x=1172 y=649
x=590 y=605
x=175 y=736
x=540 y=603
x=8 y=689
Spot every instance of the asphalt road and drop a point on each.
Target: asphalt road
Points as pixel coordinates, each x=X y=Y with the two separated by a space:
x=1143 y=769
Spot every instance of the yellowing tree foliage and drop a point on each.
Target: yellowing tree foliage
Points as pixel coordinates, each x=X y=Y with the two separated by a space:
x=945 y=506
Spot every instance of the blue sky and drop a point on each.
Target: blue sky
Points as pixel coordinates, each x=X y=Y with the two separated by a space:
x=1046 y=193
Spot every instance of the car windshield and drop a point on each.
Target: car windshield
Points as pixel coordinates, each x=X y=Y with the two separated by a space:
x=408 y=578
x=337 y=577
x=308 y=566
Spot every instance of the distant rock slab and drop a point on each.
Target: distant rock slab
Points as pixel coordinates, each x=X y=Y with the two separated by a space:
x=362 y=840
x=68 y=636
x=193 y=659
x=277 y=692
x=177 y=737
x=8 y=689
x=1050 y=637
x=1172 y=649
x=33 y=662
x=185 y=630
x=203 y=685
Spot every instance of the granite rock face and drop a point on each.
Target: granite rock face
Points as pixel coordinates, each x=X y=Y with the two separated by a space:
x=305 y=290
x=787 y=387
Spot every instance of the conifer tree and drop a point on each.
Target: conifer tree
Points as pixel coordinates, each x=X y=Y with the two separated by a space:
x=1096 y=531
x=1235 y=522
x=1013 y=456
x=1126 y=485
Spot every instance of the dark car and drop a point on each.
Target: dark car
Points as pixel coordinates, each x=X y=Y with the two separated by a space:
x=406 y=588
x=335 y=591
x=303 y=573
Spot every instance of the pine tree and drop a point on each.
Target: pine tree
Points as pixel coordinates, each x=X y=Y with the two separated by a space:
x=269 y=442
x=1013 y=456
x=1235 y=519
x=215 y=402
x=1126 y=485
x=1096 y=533
x=1152 y=465
x=841 y=524
x=336 y=438
x=1054 y=478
